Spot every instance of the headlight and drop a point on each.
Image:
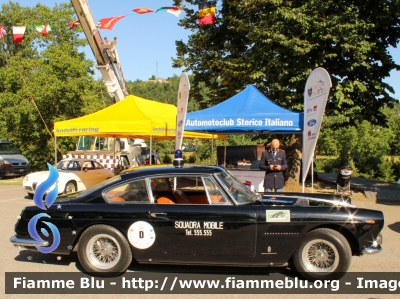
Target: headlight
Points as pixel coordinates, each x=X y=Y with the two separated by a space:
x=5 y=163
x=26 y=179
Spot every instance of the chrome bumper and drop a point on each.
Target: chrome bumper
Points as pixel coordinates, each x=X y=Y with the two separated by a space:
x=27 y=242
x=375 y=246
x=372 y=250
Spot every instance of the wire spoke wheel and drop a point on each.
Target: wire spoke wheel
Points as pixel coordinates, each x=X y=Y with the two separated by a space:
x=323 y=254
x=103 y=251
x=320 y=256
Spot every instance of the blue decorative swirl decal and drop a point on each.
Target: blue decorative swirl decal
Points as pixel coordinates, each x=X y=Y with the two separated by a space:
x=41 y=189
x=32 y=231
x=38 y=200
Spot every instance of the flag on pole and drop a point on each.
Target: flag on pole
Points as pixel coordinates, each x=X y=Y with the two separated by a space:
x=316 y=94
x=183 y=98
x=207 y=13
x=43 y=29
x=175 y=10
x=2 y=32
x=18 y=34
x=108 y=23
x=73 y=24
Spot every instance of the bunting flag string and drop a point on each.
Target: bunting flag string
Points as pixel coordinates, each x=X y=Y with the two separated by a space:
x=142 y=10
x=18 y=34
x=73 y=24
x=108 y=23
x=43 y=29
x=176 y=11
x=2 y=32
x=206 y=16
x=207 y=13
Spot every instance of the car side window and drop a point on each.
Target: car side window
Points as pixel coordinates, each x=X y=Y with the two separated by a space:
x=88 y=165
x=132 y=192
x=214 y=193
x=74 y=166
x=98 y=165
x=187 y=190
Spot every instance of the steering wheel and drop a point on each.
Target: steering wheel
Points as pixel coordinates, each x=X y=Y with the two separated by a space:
x=231 y=187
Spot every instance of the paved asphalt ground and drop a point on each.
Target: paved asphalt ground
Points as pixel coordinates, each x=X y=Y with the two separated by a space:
x=13 y=198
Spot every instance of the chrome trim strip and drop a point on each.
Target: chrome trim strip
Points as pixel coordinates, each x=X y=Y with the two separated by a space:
x=27 y=242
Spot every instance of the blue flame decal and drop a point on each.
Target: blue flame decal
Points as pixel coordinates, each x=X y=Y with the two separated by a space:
x=41 y=189
x=32 y=231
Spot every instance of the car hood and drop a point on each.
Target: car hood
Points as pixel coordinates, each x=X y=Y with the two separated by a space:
x=43 y=175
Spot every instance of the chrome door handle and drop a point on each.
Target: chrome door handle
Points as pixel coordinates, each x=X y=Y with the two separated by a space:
x=155 y=214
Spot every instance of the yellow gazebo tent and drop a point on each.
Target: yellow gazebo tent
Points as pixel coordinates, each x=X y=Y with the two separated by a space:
x=131 y=117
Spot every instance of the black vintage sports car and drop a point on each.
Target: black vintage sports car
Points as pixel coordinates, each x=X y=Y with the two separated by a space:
x=201 y=216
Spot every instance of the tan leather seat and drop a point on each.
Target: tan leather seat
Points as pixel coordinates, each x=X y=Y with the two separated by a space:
x=180 y=197
x=164 y=200
x=117 y=199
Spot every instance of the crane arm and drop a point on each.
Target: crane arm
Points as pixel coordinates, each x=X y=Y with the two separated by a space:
x=105 y=53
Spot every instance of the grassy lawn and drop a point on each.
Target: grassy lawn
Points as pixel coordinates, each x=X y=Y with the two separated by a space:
x=12 y=181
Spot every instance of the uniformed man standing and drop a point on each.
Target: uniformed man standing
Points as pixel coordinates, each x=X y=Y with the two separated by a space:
x=273 y=161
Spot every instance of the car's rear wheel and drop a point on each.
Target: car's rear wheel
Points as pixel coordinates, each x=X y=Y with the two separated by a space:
x=323 y=254
x=104 y=251
x=70 y=187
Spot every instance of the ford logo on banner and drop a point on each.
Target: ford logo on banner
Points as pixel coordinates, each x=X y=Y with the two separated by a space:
x=311 y=122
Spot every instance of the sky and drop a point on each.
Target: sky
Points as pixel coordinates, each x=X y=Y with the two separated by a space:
x=146 y=42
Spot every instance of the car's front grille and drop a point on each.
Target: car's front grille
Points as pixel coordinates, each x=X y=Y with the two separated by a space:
x=19 y=164
x=27 y=188
x=284 y=229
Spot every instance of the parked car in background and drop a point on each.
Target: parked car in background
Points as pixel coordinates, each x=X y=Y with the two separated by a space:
x=199 y=215
x=12 y=162
x=75 y=175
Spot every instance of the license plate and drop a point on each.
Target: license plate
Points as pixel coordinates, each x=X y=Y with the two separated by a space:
x=21 y=170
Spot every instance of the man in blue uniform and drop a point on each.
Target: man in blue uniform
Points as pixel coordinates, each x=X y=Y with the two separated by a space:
x=273 y=161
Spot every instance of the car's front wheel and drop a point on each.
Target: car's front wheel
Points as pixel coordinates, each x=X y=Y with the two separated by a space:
x=70 y=187
x=323 y=254
x=104 y=251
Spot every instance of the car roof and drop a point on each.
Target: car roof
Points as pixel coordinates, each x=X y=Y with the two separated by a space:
x=162 y=170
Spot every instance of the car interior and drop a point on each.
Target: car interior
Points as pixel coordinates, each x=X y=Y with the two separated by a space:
x=169 y=190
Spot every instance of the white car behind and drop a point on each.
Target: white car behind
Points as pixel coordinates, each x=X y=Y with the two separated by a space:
x=74 y=175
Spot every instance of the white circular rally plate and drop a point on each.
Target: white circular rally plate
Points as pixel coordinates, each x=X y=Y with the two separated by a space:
x=141 y=235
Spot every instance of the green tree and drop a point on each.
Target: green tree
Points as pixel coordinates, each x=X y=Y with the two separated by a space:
x=43 y=80
x=275 y=44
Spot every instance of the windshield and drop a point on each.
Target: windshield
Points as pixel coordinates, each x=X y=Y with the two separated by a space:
x=9 y=148
x=240 y=193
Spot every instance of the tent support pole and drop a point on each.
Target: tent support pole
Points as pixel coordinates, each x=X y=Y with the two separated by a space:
x=114 y=153
x=55 y=150
x=212 y=150
x=151 y=148
x=302 y=164
x=224 y=163
x=312 y=174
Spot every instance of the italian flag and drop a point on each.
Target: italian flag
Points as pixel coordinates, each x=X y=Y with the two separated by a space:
x=18 y=34
x=43 y=29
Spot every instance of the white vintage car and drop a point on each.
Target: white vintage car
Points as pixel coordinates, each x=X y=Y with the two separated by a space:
x=75 y=175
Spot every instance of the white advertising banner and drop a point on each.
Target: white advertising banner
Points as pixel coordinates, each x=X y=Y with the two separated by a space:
x=182 y=102
x=316 y=94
